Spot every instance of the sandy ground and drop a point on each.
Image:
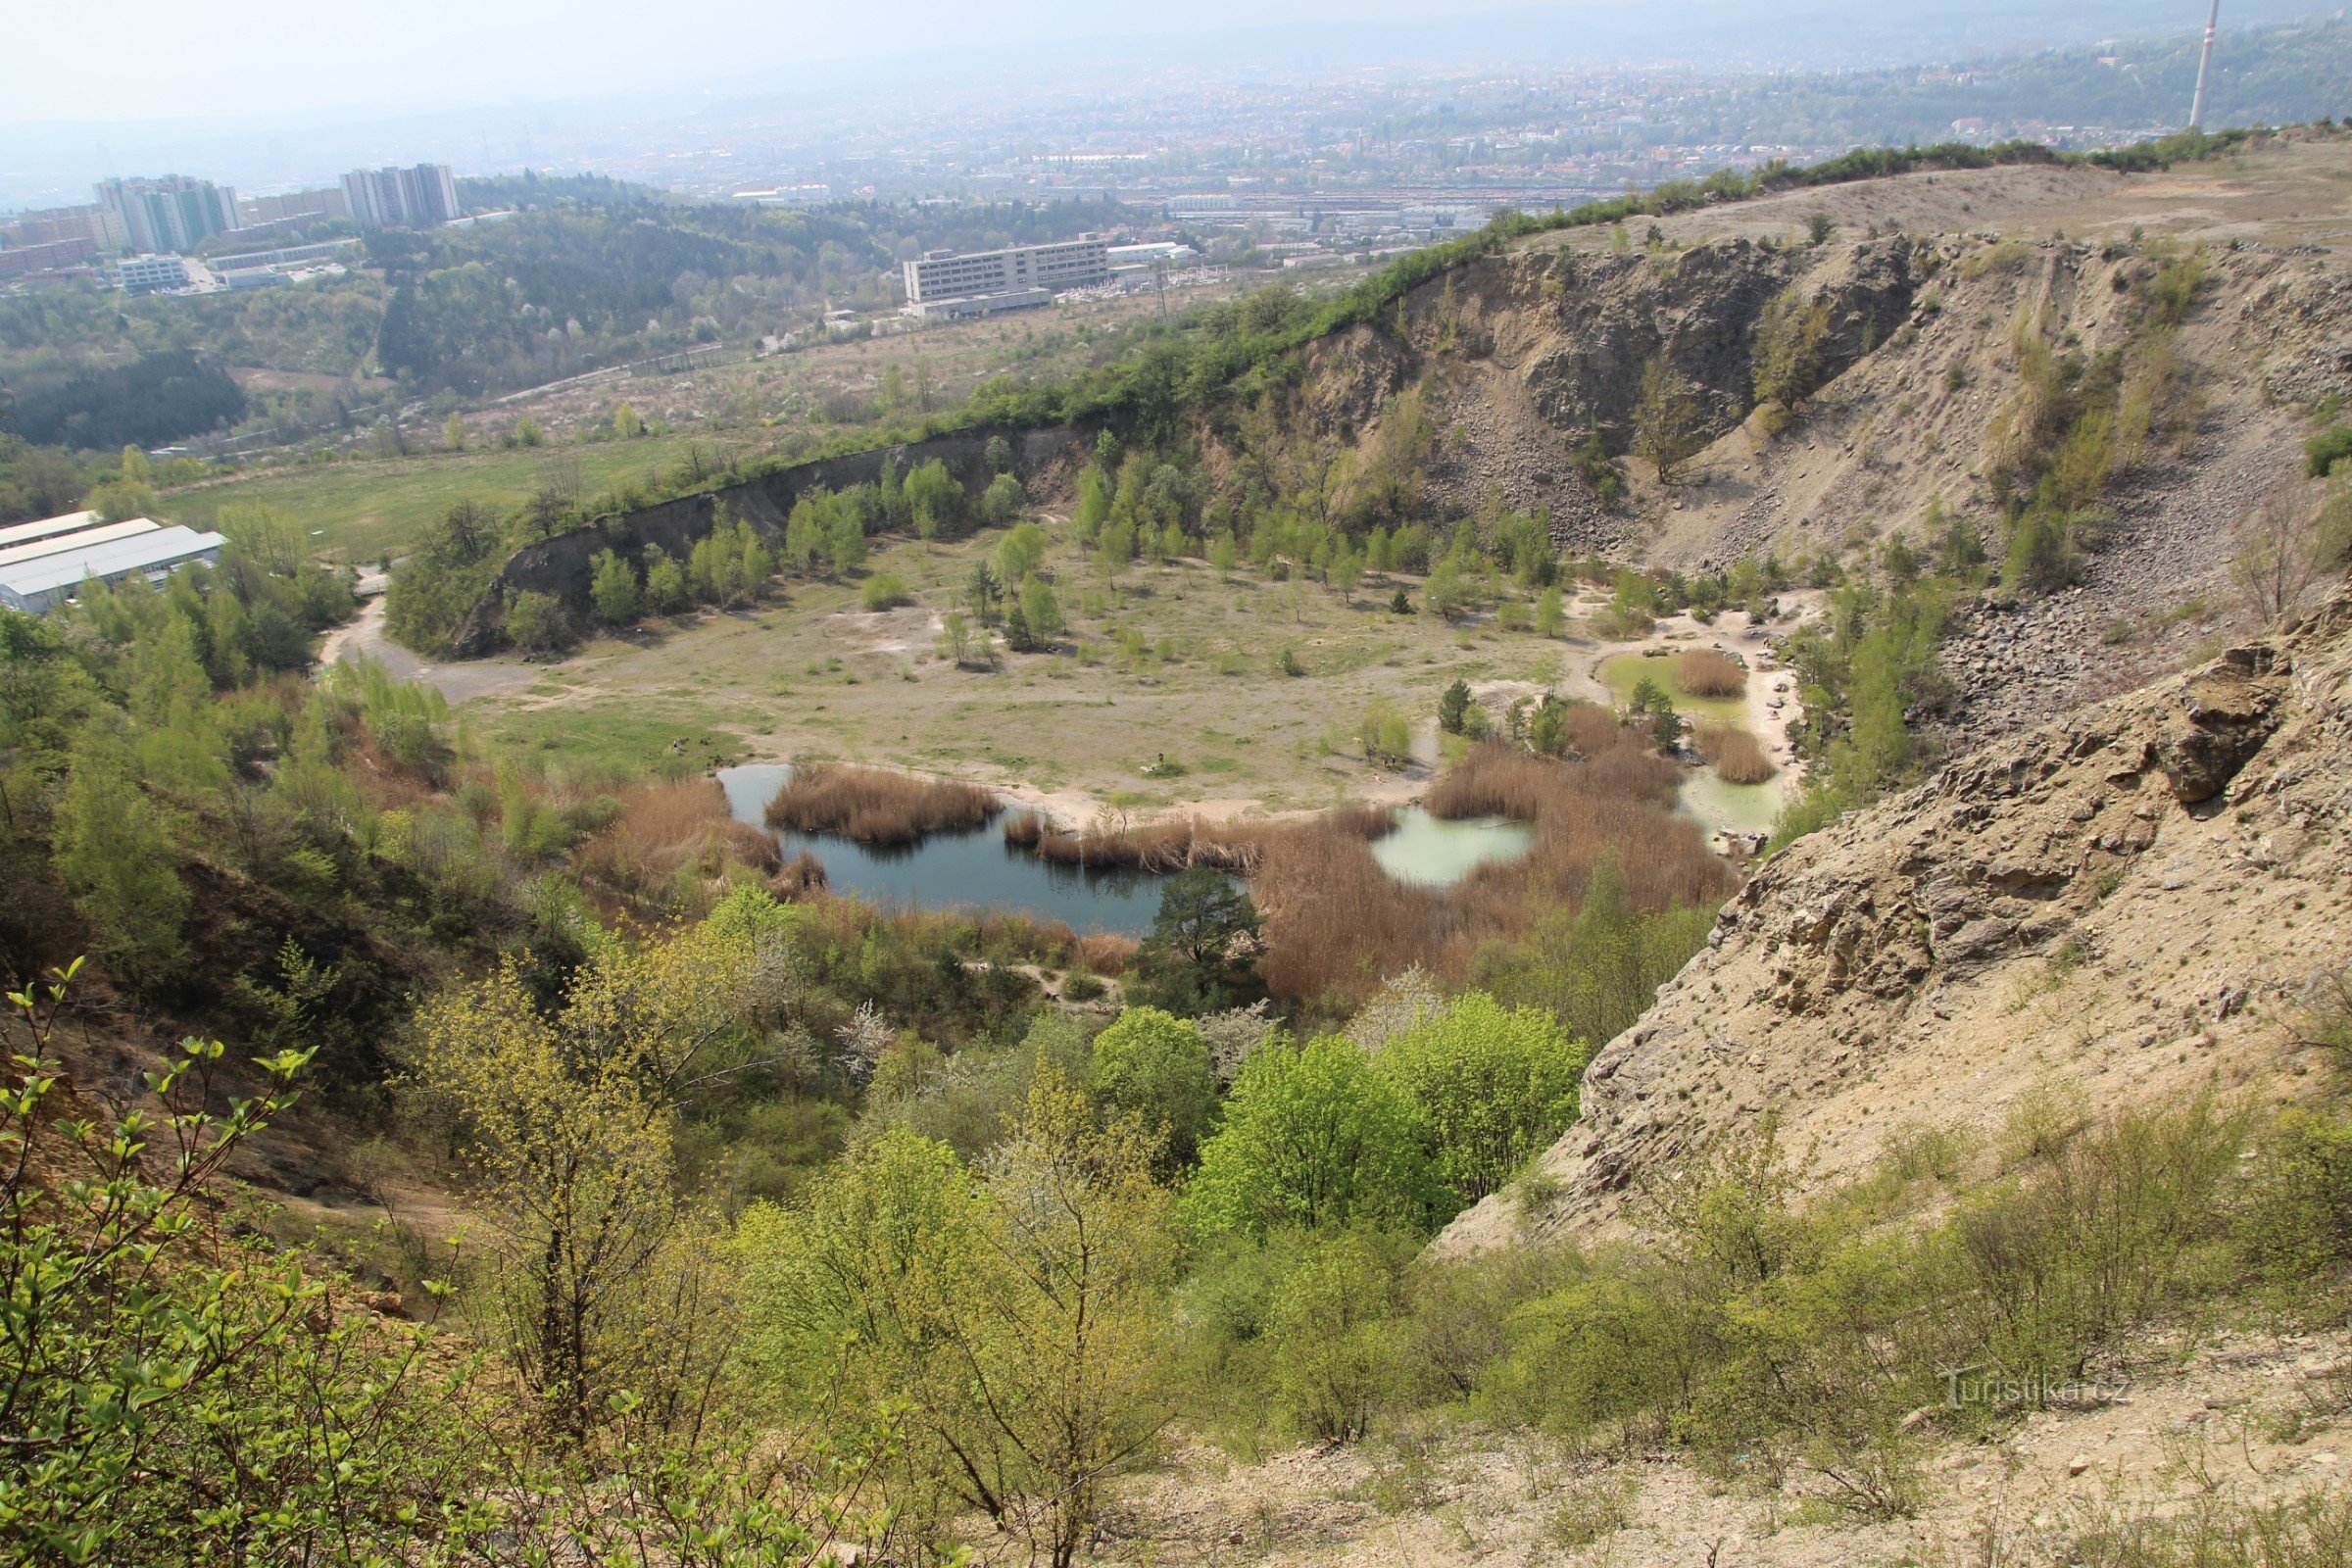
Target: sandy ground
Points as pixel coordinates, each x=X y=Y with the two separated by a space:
x=363 y=638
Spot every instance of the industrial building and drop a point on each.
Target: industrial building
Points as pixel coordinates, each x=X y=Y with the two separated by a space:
x=44 y=564
x=149 y=274
x=424 y=196
x=96 y=533
x=945 y=284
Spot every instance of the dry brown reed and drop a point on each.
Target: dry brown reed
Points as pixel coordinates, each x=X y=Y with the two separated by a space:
x=1737 y=757
x=1704 y=672
x=875 y=805
x=1105 y=953
x=801 y=876
x=1179 y=842
x=661 y=829
x=1336 y=924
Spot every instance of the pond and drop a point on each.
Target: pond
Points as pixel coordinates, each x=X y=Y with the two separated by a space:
x=974 y=870
x=1434 y=853
x=1736 y=808
x=1622 y=673
x=978 y=870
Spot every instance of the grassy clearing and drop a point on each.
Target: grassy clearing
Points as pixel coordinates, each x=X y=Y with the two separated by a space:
x=1166 y=694
x=360 y=508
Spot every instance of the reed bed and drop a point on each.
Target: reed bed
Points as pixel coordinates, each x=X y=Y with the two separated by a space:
x=801 y=877
x=1180 y=843
x=661 y=830
x=1737 y=757
x=1336 y=924
x=1704 y=672
x=876 y=805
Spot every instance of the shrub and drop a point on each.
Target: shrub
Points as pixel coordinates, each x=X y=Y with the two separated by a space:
x=1314 y=1137
x=538 y=622
x=2323 y=451
x=1156 y=1065
x=1492 y=1086
x=1335 y=1338
x=885 y=590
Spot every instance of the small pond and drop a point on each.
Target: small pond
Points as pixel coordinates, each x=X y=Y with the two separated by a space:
x=978 y=870
x=1430 y=852
x=975 y=870
x=1736 y=808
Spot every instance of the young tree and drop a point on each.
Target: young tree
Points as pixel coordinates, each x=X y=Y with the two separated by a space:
x=1493 y=1087
x=1200 y=957
x=1040 y=611
x=613 y=589
x=1315 y=1137
x=1020 y=1324
x=665 y=581
x=1666 y=418
x=113 y=849
x=625 y=422
x=982 y=591
x=537 y=623
x=604 y=1277
x=1002 y=501
x=1551 y=619
x=959 y=644
x=934 y=500
x=1453 y=707
x=1155 y=1066
x=453 y=434
x=1020 y=554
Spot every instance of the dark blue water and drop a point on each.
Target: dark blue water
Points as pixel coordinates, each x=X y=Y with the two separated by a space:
x=975 y=870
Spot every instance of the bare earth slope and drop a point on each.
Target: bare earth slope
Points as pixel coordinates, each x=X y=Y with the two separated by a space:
x=1521 y=355
x=2120 y=906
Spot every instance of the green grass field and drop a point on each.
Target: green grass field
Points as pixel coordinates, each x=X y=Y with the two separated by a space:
x=810 y=675
x=360 y=508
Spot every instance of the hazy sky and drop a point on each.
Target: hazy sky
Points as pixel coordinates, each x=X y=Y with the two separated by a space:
x=96 y=59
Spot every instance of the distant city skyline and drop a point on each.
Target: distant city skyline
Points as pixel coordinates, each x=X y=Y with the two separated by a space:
x=994 y=117
x=171 y=62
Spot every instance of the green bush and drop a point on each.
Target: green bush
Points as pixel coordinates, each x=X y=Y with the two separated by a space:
x=2323 y=451
x=885 y=590
x=1492 y=1086
x=538 y=622
x=1336 y=1337
x=1156 y=1065
x=1314 y=1135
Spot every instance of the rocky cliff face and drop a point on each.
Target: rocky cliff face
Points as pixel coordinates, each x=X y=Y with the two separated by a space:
x=2128 y=904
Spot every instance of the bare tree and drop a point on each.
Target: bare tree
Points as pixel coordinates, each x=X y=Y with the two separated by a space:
x=2279 y=553
x=1666 y=419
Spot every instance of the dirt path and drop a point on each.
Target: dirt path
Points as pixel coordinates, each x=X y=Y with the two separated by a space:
x=363 y=638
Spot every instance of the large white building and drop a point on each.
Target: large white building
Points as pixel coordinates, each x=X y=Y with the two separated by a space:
x=145 y=275
x=943 y=284
x=424 y=196
x=67 y=551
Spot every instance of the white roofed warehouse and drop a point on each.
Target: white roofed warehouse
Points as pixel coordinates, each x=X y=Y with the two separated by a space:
x=43 y=565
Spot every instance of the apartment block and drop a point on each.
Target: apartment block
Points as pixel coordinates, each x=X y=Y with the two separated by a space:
x=171 y=213
x=424 y=196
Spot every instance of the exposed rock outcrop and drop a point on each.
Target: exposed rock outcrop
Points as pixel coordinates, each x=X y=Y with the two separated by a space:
x=2127 y=903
